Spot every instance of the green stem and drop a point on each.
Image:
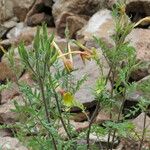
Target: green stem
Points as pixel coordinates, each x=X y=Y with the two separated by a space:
x=143 y=133
x=90 y=124
x=111 y=93
x=60 y=115
x=46 y=110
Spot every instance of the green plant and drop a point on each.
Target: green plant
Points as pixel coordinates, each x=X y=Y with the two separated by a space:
x=121 y=58
x=47 y=103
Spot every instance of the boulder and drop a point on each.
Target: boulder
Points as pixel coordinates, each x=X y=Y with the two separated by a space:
x=102 y=117
x=100 y=25
x=130 y=144
x=5 y=132
x=81 y=7
x=40 y=12
x=6 y=73
x=80 y=116
x=9 y=9
x=9 y=93
x=22 y=33
x=142 y=90
x=10 y=143
x=139 y=123
x=10 y=23
x=7 y=116
x=140 y=40
x=27 y=78
x=3 y=31
x=77 y=126
x=78 y=8
x=72 y=22
x=91 y=70
x=18 y=68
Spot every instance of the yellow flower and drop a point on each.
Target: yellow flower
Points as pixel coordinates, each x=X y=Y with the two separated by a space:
x=68 y=99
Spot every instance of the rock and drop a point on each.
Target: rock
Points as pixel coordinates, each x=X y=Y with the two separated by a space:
x=78 y=126
x=138 y=9
x=39 y=18
x=100 y=25
x=81 y=7
x=102 y=117
x=5 y=133
x=130 y=144
x=103 y=28
x=18 y=68
x=134 y=96
x=6 y=73
x=6 y=115
x=73 y=22
x=140 y=40
x=22 y=33
x=8 y=9
x=15 y=32
x=10 y=93
x=79 y=117
x=138 y=122
x=78 y=8
x=94 y=137
x=21 y=16
x=3 y=31
x=84 y=95
x=10 y=23
x=6 y=26
x=27 y=78
x=40 y=12
x=10 y=143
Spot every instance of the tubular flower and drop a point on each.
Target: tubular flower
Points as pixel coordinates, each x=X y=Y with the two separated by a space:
x=87 y=55
x=68 y=63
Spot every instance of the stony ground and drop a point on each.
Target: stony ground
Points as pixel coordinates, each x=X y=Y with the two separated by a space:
x=85 y=18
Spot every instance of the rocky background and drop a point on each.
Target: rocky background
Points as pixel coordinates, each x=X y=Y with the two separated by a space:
x=85 y=18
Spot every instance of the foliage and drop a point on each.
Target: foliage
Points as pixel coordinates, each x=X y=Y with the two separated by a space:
x=47 y=103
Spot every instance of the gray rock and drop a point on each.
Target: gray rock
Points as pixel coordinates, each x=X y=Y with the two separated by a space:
x=9 y=143
x=6 y=115
x=5 y=133
x=41 y=11
x=100 y=25
x=140 y=40
x=3 y=31
x=138 y=122
x=7 y=8
x=90 y=69
x=16 y=31
x=78 y=8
